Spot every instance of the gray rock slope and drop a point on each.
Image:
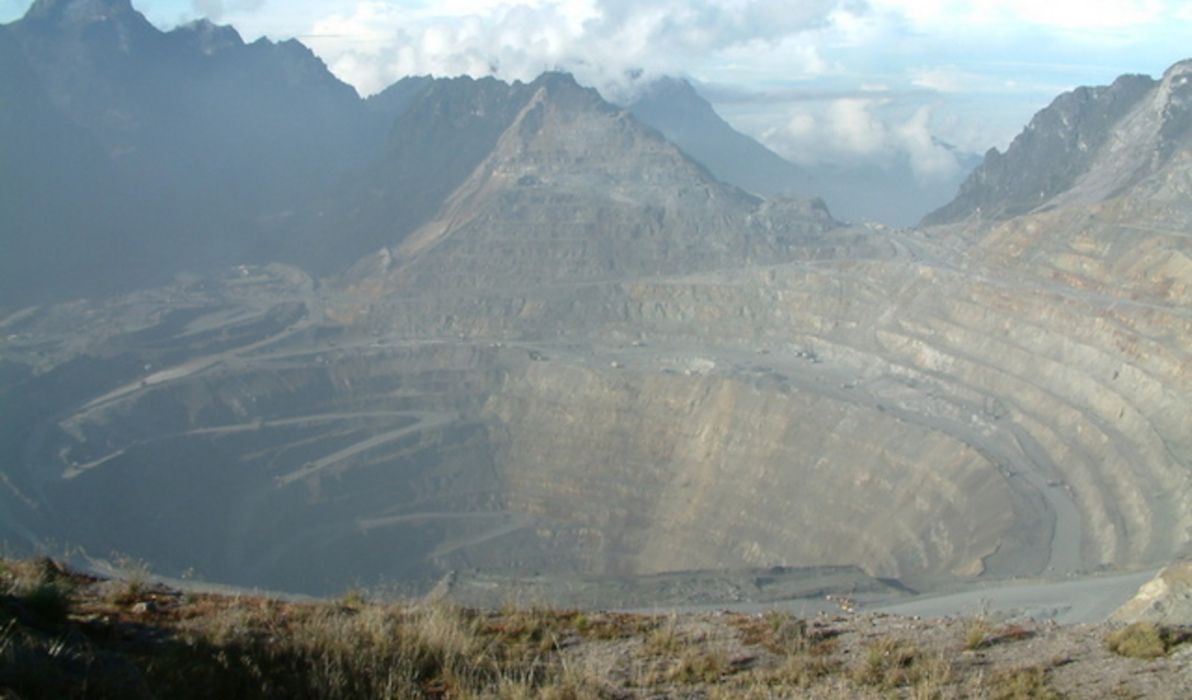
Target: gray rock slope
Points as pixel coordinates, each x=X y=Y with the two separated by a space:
x=131 y=153
x=1088 y=145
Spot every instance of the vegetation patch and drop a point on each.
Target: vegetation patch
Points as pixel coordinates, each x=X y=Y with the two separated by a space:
x=1021 y=684
x=888 y=663
x=63 y=635
x=38 y=589
x=1146 y=640
x=977 y=634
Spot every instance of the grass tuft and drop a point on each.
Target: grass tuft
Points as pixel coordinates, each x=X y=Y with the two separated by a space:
x=977 y=634
x=39 y=587
x=1021 y=684
x=889 y=663
x=1145 y=640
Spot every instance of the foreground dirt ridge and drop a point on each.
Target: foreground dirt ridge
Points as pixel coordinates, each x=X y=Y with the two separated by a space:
x=67 y=635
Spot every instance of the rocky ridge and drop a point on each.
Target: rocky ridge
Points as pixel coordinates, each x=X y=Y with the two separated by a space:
x=1167 y=599
x=116 y=178
x=1087 y=146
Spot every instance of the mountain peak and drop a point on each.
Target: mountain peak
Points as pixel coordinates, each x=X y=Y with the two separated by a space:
x=1176 y=90
x=209 y=37
x=669 y=87
x=556 y=79
x=562 y=88
x=78 y=11
x=1183 y=67
x=1088 y=144
x=669 y=93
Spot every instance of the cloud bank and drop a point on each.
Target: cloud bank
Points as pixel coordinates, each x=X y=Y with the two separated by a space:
x=215 y=10
x=856 y=130
x=601 y=41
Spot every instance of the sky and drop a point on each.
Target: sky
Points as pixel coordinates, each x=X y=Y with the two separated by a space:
x=816 y=80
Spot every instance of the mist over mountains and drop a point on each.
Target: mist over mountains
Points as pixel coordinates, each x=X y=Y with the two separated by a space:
x=890 y=193
x=488 y=328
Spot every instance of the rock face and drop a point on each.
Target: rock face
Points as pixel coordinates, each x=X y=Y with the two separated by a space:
x=442 y=130
x=574 y=190
x=1167 y=599
x=1088 y=145
x=131 y=154
x=672 y=106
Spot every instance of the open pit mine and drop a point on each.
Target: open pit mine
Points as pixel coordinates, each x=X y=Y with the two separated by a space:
x=587 y=358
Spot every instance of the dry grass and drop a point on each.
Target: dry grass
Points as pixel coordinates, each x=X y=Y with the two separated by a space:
x=1145 y=640
x=134 y=581
x=324 y=651
x=39 y=587
x=977 y=634
x=66 y=636
x=697 y=666
x=664 y=641
x=888 y=663
x=802 y=671
x=1021 y=684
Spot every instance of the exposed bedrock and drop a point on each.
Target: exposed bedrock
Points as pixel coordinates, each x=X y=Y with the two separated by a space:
x=919 y=420
x=294 y=472
x=423 y=460
x=669 y=472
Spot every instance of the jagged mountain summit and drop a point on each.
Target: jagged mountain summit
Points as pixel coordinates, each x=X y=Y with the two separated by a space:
x=573 y=189
x=1089 y=145
x=442 y=131
x=83 y=12
x=133 y=153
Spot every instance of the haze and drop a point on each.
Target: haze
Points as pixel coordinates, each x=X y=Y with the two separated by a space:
x=622 y=303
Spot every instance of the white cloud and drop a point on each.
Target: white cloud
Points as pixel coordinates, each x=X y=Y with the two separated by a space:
x=944 y=79
x=376 y=42
x=1071 y=14
x=982 y=15
x=215 y=10
x=930 y=160
x=854 y=130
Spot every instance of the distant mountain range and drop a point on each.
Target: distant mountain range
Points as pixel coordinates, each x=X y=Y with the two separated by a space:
x=132 y=154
